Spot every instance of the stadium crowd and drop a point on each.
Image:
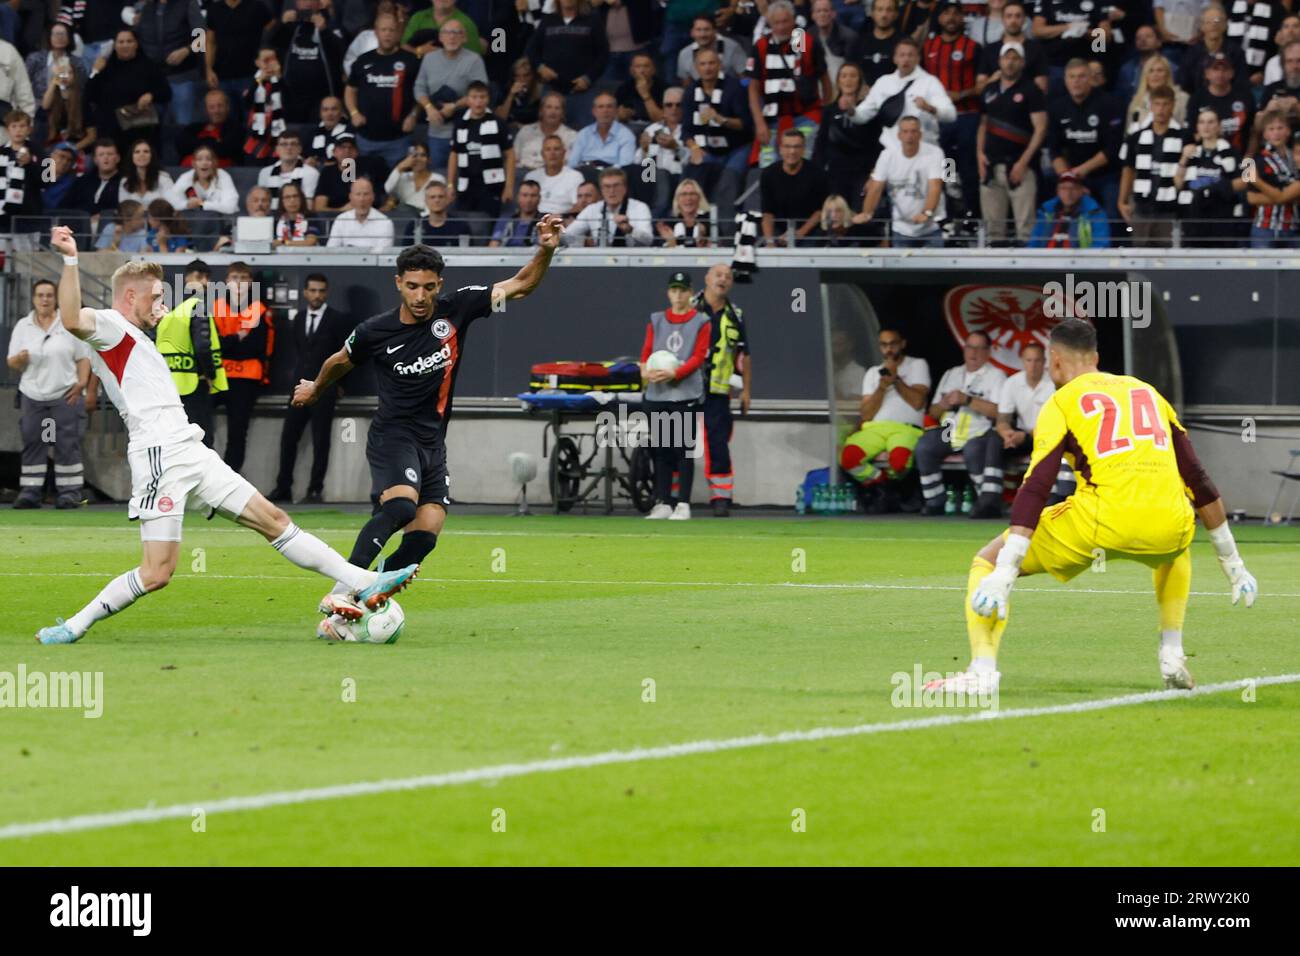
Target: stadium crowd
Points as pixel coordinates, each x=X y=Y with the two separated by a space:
x=1050 y=123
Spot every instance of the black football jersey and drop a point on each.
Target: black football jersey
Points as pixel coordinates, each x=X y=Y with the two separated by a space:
x=416 y=365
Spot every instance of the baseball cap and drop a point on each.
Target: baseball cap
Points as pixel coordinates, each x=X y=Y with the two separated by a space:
x=1018 y=47
x=680 y=280
x=1068 y=177
x=345 y=138
x=1216 y=58
x=945 y=5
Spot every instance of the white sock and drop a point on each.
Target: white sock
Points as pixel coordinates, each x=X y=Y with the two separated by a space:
x=119 y=594
x=312 y=554
x=983 y=665
x=1172 y=641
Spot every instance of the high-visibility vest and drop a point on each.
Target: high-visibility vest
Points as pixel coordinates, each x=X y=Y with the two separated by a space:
x=722 y=361
x=177 y=347
x=231 y=322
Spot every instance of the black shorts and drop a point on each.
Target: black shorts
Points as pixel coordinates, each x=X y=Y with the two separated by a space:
x=400 y=458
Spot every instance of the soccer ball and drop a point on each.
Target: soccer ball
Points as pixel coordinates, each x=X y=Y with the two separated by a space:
x=383 y=626
x=663 y=360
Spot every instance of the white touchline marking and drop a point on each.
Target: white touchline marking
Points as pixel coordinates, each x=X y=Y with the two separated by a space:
x=102 y=821
x=831 y=586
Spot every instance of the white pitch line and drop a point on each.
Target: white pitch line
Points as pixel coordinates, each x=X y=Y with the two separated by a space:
x=102 y=821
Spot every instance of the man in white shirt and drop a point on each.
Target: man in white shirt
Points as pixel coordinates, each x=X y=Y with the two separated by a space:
x=1023 y=396
x=619 y=220
x=361 y=226
x=893 y=406
x=662 y=143
x=908 y=91
x=559 y=183
x=55 y=369
x=531 y=139
x=912 y=171
x=169 y=462
x=966 y=405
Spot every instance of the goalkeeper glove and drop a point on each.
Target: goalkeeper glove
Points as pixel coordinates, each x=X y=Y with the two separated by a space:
x=1234 y=568
x=994 y=592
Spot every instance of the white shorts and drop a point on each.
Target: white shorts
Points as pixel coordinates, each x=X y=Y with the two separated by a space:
x=164 y=478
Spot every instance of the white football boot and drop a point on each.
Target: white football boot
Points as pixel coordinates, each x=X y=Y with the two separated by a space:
x=1173 y=668
x=681 y=513
x=659 y=512
x=331 y=628
x=341 y=604
x=968 y=683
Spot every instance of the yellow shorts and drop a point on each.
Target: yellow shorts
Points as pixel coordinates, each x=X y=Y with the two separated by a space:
x=1067 y=542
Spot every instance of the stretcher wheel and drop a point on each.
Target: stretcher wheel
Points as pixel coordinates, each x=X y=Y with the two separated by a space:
x=641 y=479
x=565 y=473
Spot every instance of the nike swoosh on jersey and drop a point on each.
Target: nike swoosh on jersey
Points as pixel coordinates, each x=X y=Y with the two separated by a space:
x=395 y=348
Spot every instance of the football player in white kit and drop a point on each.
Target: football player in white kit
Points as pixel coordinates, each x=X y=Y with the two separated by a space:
x=169 y=462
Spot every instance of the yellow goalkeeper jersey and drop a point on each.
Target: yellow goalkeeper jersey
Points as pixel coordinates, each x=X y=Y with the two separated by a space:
x=1138 y=476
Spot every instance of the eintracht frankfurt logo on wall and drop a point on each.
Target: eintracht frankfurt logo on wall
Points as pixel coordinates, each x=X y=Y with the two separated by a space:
x=1012 y=315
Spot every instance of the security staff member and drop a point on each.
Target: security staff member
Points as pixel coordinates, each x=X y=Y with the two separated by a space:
x=247 y=340
x=315 y=333
x=55 y=369
x=188 y=340
x=728 y=354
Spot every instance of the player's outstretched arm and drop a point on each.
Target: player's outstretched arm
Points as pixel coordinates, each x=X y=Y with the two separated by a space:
x=80 y=322
x=335 y=367
x=530 y=276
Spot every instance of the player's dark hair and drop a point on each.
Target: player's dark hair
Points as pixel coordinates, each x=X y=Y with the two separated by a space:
x=477 y=85
x=316 y=277
x=1075 y=335
x=419 y=259
x=40 y=282
x=199 y=266
x=243 y=268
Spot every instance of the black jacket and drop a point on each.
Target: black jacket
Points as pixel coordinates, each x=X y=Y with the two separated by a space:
x=331 y=333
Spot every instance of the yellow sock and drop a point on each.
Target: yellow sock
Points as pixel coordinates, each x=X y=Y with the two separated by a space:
x=1173 y=584
x=985 y=633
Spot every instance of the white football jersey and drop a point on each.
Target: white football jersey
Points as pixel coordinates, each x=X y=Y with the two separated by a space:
x=137 y=380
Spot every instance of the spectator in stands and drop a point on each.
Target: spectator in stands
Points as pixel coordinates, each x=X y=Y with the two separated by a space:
x=405 y=184
x=311 y=52
x=1208 y=181
x=640 y=95
x=1251 y=26
x=919 y=19
x=1084 y=133
x=220 y=130
x=1287 y=33
x=380 y=95
x=631 y=27
x=679 y=26
x=63 y=103
x=874 y=48
x=1067 y=30
x=167 y=30
x=328 y=130
x=1073 y=220
x=293 y=226
x=890 y=417
x=235 y=29
x=1148 y=198
x=1023 y=396
x=441 y=87
x=717 y=130
x=522 y=102
x=15 y=84
x=361 y=226
x=1275 y=188
x=264 y=108
x=98 y=191
x=1213 y=39
x=836 y=226
x=1146 y=44
x=908 y=91
x=424 y=28
x=435 y=228
x=836 y=38
x=55 y=369
x=692 y=223
x=558 y=184
x=952 y=57
x=844 y=150
x=22 y=169
x=616 y=220
x=365 y=41
x=167 y=233
x=247 y=341
x=1011 y=132
x=966 y=407
x=1156 y=72
x=912 y=173
x=1014 y=20
x=61 y=177
x=587 y=194
x=125 y=86
x=56 y=56
x=704 y=35
x=334 y=189
x=127 y=231
x=257 y=205
x=1284 y=94
x=605 y=141
x=288 y=167
x=530 y=139
x=570 y=51
x=986 y=27
x=145 y=179
x=661 y=143
x=482 y=164
x=1235 y=105
x=516 y=231
x=95 y=24
x=315 y=331
x=791 y=194
x=204 y=195
x=788 y=96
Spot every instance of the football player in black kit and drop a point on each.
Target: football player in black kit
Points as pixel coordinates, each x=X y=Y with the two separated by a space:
x=416 y=349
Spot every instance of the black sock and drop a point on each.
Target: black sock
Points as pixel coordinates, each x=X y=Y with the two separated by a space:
x=414 y=548
x=392 y=514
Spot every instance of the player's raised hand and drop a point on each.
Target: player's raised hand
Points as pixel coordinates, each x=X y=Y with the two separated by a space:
x=1242 y=581
x=304 y=393
x=63 y=240
x=549 y=230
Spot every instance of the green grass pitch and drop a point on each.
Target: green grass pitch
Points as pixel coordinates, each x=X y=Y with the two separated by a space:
x=532 y=640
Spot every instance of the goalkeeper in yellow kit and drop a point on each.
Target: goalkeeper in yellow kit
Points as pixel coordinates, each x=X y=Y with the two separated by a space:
x=1139 y=491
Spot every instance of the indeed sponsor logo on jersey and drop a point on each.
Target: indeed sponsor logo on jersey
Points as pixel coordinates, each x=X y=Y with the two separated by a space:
x=426 y=363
